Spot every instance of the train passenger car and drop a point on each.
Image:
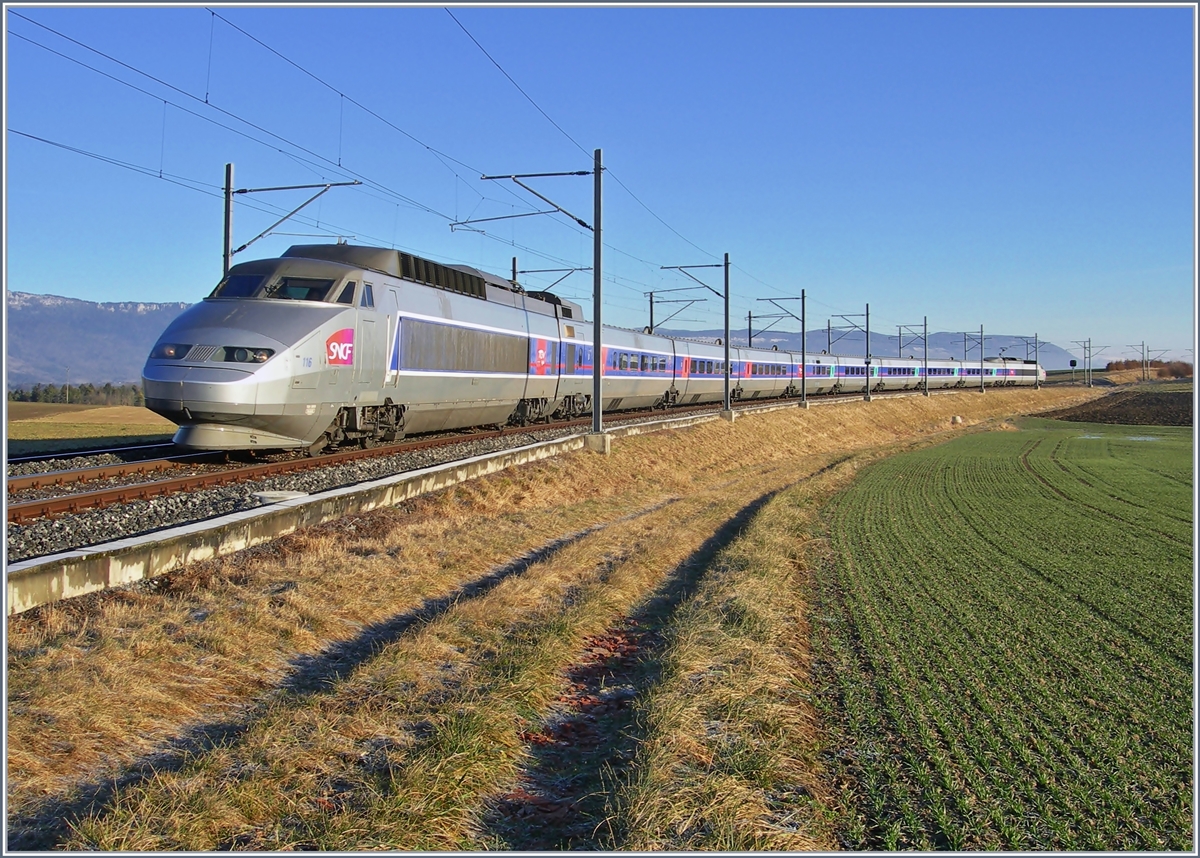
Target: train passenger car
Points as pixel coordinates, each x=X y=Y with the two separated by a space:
x=337 y=343
x=638 y=370
x=700 y=368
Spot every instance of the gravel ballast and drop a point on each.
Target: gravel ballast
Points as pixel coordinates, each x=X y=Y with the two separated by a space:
x=91 y=527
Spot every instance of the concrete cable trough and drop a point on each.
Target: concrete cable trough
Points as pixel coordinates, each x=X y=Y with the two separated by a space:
x=42 y=580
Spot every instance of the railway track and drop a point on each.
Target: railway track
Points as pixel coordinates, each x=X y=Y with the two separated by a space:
x=140 y=449
x=58 y=495
x=75 y=501
x=63 y=518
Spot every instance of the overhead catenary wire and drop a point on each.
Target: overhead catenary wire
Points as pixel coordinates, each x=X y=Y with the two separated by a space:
x=608 y=170
x=330 y=162
x=327 y=161
x=336 y=167
x=368 y=181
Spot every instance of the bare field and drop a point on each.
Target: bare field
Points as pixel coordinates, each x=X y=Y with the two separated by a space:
x=400 y=680
x=36 y=410
x=36 y=427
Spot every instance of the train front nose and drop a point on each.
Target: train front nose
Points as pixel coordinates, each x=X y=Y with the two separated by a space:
x=185 y=393
x=221 y=397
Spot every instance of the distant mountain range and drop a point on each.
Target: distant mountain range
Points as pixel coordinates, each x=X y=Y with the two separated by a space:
x=109 y=342
x=99 y=342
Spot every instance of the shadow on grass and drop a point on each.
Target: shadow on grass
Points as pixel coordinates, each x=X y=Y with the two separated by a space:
x=580 y=759
x=49 y=824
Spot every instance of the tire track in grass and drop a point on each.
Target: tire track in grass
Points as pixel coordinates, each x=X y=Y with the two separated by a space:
x=374 y=816
x=1064 y=656
x=1005 y=548
x=1127 y=491
x=48 y=825
x=580 y=751
x=904 y=589
x=1096 y=509
x=1079 y=811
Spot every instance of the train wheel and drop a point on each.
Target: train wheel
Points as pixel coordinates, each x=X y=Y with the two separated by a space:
x=317 y=446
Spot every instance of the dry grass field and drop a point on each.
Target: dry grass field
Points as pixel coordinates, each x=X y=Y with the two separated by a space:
x=1125 y=376
x=38 y=427
x=589 y=652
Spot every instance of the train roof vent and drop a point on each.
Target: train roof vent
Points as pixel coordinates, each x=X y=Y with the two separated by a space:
x=374 y=258
x=567 y=309
x=398 y=264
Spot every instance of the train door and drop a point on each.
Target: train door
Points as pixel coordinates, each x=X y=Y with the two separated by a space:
x=365 y=360
x=392 y=373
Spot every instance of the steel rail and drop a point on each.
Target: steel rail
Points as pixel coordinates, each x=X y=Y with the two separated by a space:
x=49 y=507
x=79 y=454
x=101 y=472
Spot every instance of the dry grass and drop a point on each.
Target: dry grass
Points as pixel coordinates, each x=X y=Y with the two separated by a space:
x=729 y=758
x=35 y=427
x=377 y=677
x=86 y=415
x=1126 y=376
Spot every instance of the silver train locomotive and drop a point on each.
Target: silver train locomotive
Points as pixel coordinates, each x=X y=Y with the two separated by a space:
x=335 y=344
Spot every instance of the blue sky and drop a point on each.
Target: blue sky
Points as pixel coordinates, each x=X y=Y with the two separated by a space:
x=1027 y=169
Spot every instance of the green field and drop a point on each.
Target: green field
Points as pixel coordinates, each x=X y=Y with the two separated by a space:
x=1006 y=636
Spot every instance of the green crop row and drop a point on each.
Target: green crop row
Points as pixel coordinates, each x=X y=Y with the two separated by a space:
x=1007 y=642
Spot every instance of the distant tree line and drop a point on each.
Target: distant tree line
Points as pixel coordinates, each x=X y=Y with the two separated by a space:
x=81 y=394
x=1158 y=368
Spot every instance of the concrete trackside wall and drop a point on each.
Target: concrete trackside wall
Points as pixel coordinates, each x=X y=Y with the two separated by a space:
x=75 y=573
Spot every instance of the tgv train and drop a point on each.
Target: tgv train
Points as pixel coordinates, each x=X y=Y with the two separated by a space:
x=338 y=343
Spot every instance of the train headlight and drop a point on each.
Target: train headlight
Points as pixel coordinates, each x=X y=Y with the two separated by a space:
x=244 y=354
x=170 y=351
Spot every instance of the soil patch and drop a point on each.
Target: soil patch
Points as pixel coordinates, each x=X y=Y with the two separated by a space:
x=1134 y=408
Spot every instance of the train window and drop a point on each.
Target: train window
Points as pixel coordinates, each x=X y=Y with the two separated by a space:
x=300 y=289
x=347 y=296
x=238 y=286
x=624 y=361
x=708 y=367
x=644 y=363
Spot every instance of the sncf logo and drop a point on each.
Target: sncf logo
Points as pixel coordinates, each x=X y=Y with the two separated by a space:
x=339 y=348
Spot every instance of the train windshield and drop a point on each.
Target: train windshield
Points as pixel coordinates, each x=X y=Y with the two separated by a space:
x=288 y=288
